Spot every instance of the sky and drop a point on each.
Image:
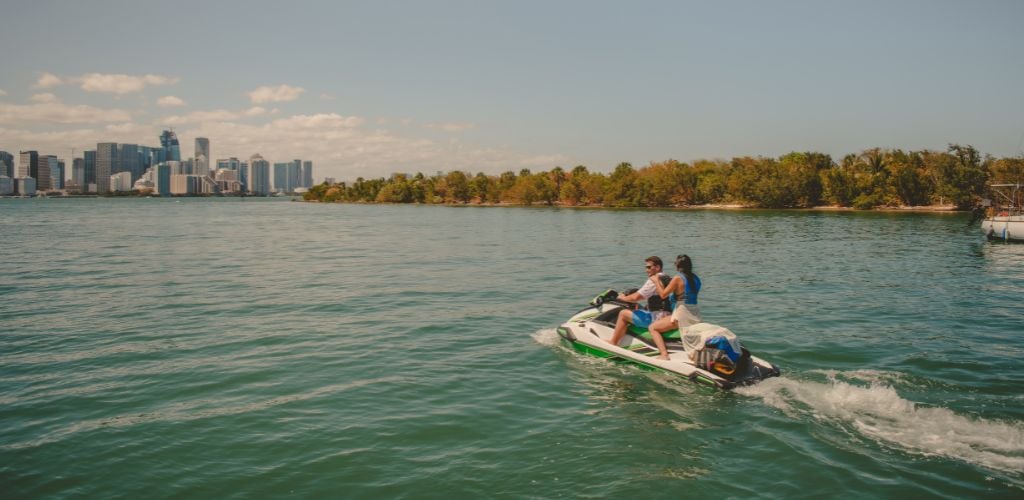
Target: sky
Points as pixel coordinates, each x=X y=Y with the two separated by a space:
x=367 y=89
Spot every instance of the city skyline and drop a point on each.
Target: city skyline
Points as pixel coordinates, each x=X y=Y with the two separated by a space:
x=369 y=90
x=116 y=167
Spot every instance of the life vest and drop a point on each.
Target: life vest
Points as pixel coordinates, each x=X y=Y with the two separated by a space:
x=656 y=303
x=690 y=289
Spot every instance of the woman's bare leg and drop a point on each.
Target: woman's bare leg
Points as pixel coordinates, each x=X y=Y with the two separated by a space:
x=661 y=325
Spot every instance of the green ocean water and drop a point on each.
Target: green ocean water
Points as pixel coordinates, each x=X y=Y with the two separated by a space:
x=219 y=348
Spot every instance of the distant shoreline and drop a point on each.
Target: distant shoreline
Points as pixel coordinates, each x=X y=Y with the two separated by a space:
x=711 y=206
x=823 y=208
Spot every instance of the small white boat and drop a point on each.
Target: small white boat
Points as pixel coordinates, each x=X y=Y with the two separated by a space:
x=1003 y=217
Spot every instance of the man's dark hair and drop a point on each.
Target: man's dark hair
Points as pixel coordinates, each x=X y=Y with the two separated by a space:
x=654 y=259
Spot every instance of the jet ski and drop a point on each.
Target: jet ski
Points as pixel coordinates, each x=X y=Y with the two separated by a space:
x=703 y=353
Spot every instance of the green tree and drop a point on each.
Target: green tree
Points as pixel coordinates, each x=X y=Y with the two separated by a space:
x=621 y=189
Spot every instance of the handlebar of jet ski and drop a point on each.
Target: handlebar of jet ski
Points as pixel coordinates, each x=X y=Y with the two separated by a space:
x=611 y=296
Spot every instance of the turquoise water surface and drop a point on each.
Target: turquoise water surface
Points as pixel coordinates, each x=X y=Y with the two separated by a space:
x=219 y=348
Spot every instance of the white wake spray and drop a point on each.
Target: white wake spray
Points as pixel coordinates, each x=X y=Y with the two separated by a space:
x=547 y=336
x=879 y=413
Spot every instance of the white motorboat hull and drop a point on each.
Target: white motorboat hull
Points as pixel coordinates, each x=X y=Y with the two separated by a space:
x=1005 y=227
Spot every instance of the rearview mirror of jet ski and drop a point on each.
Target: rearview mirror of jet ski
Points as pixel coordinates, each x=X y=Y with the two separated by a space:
x=703 y=353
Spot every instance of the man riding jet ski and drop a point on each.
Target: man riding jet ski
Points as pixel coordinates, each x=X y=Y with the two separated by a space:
x=702 y=352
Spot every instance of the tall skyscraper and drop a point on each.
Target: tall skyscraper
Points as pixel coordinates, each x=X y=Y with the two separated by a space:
x=78 y=173
x=6 y=164
x=89 y=158
x=169 y=141
x=259 y=177
x=58 y=170
x=131 y=160
x=281 y=177
x=202 y=156
x=28 y=164
x=243 y=175
x=228 y=163
x=295 y=175
x=47 y=167
x=149 y=156
x=307 y=174
x=108 y=162
x=37 y=167
x=162 y=179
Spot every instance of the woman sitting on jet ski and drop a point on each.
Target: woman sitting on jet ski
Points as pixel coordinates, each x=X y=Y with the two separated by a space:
x=684 y=288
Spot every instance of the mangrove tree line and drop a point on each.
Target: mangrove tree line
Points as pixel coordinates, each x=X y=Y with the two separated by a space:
x=873 y=178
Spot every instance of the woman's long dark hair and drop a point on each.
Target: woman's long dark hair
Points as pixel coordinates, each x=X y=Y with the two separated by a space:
x=685 y=266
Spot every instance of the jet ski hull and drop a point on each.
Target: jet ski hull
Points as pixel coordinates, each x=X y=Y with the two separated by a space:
x=590 y=331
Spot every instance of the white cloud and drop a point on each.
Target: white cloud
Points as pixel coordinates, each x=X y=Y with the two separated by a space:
x=2 y=92
x=47 y=80
x=44 y=97
x=201 y=117
x=327 y=97
x=340 y=146
x=170 y=101
x=54 y=111
x=326 y=121
x=451 y=127
x=120 y=83
x=123 y=128
x=281 y=93
x=60 y=140
x=343 y=147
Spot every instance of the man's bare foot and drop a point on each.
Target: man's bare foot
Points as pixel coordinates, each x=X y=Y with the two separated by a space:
x=665 y=357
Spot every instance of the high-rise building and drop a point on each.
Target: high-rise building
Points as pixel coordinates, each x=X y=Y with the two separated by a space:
x=89 y=160
x=6 y=185
x=108 y=162
x=162 y=179
x=6 y=164
x=227 y=180
x=57 y=173
x=28 y=164
x=281 y=177
x=46 y=167
x=228 y=164
x=295 y=175
x=131 y=160
x=202 y=156
x=307 y=174
x=243 y=174
x=259 y=175
x=169 y=142
x=177 y=168
x=149 y=156
x=121 y=181
x=78 y=172
x=25 y=186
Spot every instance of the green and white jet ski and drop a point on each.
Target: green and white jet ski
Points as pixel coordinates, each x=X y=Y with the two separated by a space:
x=703 y=353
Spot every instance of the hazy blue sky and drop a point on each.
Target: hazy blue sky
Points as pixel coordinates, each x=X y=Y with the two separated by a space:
x=371 y=88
